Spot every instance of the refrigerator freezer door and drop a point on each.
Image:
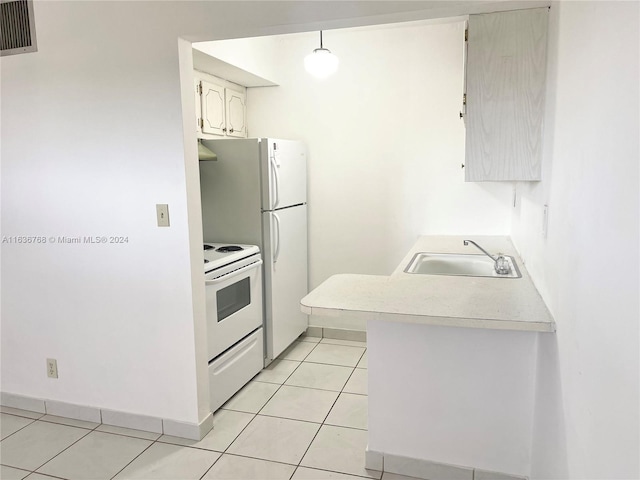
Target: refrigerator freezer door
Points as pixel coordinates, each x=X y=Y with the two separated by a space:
x=284 y=170
x=285 y=268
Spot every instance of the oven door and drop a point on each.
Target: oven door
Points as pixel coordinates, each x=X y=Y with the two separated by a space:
x=234 y=306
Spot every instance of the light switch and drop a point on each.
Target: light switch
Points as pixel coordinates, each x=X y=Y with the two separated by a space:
x=162 y=212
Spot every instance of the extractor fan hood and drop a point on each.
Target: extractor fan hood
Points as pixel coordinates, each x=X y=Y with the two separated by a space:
x=204 y=154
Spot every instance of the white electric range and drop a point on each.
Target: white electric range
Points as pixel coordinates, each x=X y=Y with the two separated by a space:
x=235 y=337
x=218 y=255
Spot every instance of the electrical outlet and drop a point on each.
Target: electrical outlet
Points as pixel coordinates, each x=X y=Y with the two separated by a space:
x=162 y=212
x=52 y=368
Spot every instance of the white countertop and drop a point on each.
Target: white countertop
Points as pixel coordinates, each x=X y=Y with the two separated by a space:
x=457 y=301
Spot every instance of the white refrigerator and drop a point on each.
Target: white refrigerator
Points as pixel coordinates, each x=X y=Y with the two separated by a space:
x=256 y=193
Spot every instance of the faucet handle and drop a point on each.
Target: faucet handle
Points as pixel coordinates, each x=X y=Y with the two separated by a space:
x=502 y=265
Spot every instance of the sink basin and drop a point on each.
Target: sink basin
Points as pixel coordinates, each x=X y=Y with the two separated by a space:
x=459 y=264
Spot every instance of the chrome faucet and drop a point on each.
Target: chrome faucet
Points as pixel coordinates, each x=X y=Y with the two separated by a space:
x=501 y=265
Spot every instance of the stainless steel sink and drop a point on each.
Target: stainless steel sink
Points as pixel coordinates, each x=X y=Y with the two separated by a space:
x=459 y=264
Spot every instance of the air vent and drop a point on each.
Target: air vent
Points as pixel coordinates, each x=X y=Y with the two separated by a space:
x=17 y=28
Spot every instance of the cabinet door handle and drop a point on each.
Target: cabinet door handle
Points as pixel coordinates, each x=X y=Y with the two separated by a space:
x=231 y=130
x=224 y=129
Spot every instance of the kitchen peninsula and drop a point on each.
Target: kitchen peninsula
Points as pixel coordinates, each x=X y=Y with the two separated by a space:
x=452 y=363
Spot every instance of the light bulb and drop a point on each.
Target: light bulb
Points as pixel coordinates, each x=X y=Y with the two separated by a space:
x=321 y=63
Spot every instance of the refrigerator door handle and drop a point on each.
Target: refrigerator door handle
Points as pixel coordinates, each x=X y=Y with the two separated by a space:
x=277 y=230
x=276 y=182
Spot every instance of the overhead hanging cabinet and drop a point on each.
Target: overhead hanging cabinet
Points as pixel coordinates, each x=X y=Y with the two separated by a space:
x=505 y=94
x=221 y=110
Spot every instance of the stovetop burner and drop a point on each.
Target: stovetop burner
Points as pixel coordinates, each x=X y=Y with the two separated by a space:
x=229 y=248
x=218 y=255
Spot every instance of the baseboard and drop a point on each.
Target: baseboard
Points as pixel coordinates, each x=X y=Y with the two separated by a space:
x=132 y=420
x=336 y=333
x=69 y=410
x=313 y=332
x=428 y=470
x=23 y=403
x=487 y=475
x=339 y=322
x=344 y=334
x=373 y=460
x=188 y=430
x=415 y=467
x=192 y=431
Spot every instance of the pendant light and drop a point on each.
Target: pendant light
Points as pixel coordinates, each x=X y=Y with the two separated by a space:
x=321 y=62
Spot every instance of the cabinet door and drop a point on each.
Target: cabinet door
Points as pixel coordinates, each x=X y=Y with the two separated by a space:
x=506 y=69
x=236 y=113
x=213 y=117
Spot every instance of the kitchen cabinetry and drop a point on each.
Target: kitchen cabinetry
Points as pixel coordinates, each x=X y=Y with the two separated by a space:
x=431 y=418
x=221 y=110
x=505 y=92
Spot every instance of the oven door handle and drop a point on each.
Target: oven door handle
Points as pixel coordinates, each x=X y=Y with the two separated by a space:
x=235 y=272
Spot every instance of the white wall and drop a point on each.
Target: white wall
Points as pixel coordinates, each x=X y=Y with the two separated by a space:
x=587 y=413
x=385 y=144
x=92 y=139
x=81 y=155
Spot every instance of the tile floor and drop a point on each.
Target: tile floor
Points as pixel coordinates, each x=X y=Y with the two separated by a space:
x=302 y=418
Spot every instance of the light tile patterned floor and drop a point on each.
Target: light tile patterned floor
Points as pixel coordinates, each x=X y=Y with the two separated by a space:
x=302 y=418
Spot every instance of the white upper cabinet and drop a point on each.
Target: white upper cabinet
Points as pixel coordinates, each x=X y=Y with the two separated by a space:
x=505 y=92
x=222 y=111
x=213 y=109
x=236 y=111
